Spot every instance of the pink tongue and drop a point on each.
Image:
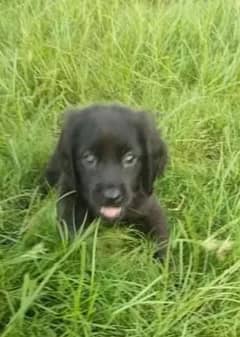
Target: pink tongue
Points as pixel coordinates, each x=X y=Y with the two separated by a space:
x=110 y=212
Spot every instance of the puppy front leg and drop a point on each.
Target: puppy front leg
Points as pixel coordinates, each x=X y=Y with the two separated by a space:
x=156 y=225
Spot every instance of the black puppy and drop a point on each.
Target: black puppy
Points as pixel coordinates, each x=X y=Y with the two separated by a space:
x=105 y=164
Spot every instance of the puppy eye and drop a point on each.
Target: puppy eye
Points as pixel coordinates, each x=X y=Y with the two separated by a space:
x=89 y=159
x=129 y=159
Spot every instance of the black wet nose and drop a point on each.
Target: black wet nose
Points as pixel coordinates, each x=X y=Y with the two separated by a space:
x=113 y=195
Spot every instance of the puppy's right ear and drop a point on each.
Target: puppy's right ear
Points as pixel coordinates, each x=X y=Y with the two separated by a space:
x=155 y=151
x=62 y=160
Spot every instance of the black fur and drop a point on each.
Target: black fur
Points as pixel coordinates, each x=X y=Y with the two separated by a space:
x=109 y=156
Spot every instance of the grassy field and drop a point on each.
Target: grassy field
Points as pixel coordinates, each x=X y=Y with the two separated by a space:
x=179 y=58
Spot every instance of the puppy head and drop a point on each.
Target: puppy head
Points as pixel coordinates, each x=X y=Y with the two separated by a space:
x=110 y=153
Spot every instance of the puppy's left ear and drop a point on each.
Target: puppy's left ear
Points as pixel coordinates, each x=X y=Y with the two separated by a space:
x=155 y=154
x=62 y=159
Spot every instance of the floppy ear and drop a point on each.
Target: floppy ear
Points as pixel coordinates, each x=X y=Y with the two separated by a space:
x=155 y=155
x=62 y=160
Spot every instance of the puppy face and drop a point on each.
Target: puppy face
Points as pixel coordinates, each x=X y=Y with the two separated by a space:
x=111 y=153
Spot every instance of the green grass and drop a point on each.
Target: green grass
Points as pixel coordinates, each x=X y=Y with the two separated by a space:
x=181 y=58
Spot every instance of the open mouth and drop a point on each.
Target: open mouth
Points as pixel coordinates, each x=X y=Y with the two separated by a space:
x=110 y=213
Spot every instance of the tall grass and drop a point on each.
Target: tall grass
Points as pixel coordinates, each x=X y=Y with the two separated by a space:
x=179 y=60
